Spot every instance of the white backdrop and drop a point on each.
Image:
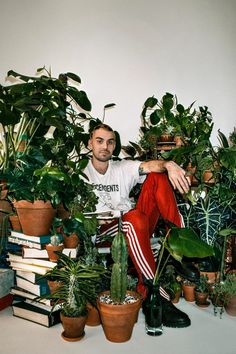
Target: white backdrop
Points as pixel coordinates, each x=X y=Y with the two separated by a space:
x=127 y=50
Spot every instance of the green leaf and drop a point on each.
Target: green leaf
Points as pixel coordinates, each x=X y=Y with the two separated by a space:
x=73 y=77
x=109 y=105
x=185 y=242
x=150 y=102
x=154 y=118
x=227 y=232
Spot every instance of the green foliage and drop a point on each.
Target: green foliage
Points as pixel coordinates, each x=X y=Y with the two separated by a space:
x=202 y=285
x=119 y=251
x=79 y=284
x=181 y=242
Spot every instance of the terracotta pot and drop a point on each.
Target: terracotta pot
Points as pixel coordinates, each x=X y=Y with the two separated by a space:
x=212 y=276
x=53 y=257
x=70 y=241
x=93 y=318
x=208 y=177
x=73 y=327
x=15 y=223
x=175 y=300
x=188 y=292
x=35 y=218
x=118 y=320
x=62 y=213
x=165 y=138
x=54 y=285
x=230 y=307
x=201 y=298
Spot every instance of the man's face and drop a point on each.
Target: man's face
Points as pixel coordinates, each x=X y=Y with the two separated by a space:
x=102 y=144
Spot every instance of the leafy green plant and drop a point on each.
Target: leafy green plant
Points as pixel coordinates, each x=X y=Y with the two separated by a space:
x=79 y=284
x=202 y=286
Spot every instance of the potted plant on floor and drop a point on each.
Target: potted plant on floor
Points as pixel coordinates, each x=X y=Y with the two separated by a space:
x=201 y=292
x=118 y=307
x=178 y=242
x=79 y=283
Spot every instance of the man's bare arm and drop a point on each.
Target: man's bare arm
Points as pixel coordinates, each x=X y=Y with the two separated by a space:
x=176 y=174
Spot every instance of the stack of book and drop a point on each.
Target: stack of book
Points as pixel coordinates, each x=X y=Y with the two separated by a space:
x=30 y=263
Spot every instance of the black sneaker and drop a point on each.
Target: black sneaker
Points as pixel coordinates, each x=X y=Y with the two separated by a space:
x=173 y=317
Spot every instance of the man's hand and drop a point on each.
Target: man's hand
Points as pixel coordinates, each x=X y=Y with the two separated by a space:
x=177 y=176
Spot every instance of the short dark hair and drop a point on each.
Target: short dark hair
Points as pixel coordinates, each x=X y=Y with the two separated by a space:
x=102 y=126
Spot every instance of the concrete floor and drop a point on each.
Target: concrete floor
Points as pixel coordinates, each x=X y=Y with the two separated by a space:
x=208 y=334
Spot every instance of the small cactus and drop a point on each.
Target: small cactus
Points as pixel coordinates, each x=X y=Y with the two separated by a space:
x=55 y=240
x=119 y=281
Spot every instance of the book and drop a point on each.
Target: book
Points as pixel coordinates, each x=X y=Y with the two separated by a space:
x=40 y=288
x=32 y=261
x=21 y=242
x=36 y=314
x=29 y=267
x=5 y=301
x=30 y=276
x=43 y=306
x=22 y=295
x=36 y=253
x=38 y=239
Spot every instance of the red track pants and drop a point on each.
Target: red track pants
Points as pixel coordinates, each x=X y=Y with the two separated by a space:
x=156 y=199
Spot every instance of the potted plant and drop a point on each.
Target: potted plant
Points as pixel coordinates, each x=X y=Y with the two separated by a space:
x=224 y=295
x=55 y=244
x=202 y=291
x=79 y=283
x=118 y=307
x=178 y=242
x=171 y=283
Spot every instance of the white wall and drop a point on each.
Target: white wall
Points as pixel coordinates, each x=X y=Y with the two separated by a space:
x=127 y=50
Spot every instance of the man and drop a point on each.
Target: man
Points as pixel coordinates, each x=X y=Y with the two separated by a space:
x=113 y=181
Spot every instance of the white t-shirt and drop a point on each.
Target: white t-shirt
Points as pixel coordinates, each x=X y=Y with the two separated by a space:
x=114 y=186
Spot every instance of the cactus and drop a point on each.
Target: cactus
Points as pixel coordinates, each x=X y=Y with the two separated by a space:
x=55 y=240
x=119 y=283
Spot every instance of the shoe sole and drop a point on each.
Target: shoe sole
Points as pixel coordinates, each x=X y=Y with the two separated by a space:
x=177 y=325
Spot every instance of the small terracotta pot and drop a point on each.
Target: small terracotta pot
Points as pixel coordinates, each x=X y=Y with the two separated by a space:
x=93 y=318
x=73 y=327
x=54 y=285
x=175 y=300
x=70 y=241
x=188 y=292
x=53 y=257
x=201 y=298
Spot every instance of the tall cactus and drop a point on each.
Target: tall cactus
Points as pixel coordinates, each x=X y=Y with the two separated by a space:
x=119 y=251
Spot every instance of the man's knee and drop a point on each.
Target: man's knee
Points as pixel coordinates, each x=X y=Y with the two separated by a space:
x=137 y=218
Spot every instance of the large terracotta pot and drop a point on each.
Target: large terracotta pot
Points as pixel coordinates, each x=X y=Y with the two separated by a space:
x=230 y=307
x=35 y=218
x=73 y=327
x=15 y=223
x=118 y=320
